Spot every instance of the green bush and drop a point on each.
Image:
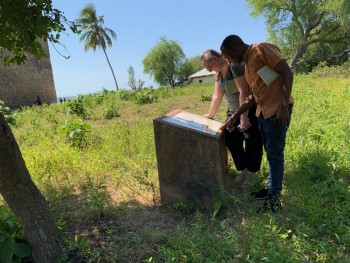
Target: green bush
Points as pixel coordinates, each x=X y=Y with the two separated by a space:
x=76 y=131
x=205 y=98
x=96 y=98
x=126 y=94
x=8 y=114
x=110 y=112
x=163 y=92
x=146 y=95
x=13 y=248
x=76 y=107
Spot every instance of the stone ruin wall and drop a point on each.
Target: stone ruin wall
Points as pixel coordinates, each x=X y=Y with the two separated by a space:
x=21 y=84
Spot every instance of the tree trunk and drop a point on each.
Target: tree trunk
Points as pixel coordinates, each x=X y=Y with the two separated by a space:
x=299 y=54
x=26 y=201
x=115 y=80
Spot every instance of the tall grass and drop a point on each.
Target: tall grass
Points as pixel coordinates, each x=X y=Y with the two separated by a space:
x=106 y=194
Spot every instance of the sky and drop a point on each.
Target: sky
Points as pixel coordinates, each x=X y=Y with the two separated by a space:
x=195 y=25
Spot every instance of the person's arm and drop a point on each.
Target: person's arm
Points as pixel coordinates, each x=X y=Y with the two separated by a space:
x=244 y=92
x=215 y=101
x=247 y=104
x=286 y=73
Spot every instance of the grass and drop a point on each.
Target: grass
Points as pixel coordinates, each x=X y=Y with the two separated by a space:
x=106 y=195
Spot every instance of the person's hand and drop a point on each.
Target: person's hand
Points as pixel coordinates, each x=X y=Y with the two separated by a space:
x=208 y=116
x=229 y=123
x=244 y=123
x=282 y=116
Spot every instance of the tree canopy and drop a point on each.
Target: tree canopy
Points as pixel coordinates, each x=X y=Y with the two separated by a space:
x=307 y=31
x=164 y=61
x=189 y=67
x=24 y=23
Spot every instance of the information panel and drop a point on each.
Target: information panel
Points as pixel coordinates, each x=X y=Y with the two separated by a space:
x=193 y=121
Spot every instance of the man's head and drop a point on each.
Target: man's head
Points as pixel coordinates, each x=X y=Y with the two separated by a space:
x=233 y=48
x=210 y=60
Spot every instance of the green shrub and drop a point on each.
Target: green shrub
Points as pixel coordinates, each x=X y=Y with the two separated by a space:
x=205 y=98
x=163 y=92
x=76 y=107
x=110 y=112
x=126 y=94
x=8 y=114
x=13 y=248
x=76 y=131
x=96 y=98
x=146 y=95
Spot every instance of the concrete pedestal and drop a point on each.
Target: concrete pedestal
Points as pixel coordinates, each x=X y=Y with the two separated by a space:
x=191 y=157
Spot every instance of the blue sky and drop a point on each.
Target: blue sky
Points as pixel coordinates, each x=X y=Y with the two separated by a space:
x=195 y=25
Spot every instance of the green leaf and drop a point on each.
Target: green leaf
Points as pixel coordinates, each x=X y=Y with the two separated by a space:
x=71 y=134
x=6 y=250
x=264 y=259
x=284 y=236
x=22 y=250
x=337 y=237
x=217 y=205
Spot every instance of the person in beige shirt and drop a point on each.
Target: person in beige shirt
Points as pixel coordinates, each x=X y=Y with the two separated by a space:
x=270 y=79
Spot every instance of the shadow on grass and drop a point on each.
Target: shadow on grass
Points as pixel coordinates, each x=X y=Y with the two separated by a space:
x=96 y=229
x=316 y=198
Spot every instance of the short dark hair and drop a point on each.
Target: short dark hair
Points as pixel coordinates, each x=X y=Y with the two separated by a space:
x=231 y=41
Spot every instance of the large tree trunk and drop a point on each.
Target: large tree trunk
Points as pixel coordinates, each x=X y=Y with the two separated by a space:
x=26 y=201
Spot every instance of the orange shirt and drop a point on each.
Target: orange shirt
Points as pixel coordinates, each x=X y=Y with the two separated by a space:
x=267 y=97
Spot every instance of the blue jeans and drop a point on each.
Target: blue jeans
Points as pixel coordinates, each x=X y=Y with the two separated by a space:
x=274 y=140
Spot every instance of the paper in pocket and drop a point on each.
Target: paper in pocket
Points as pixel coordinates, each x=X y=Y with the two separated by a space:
x=267 y=74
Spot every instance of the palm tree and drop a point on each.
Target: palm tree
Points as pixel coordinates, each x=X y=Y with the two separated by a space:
x=94 y=34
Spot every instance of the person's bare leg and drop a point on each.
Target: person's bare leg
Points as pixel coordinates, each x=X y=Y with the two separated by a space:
x=250 y=179
x=241 y=178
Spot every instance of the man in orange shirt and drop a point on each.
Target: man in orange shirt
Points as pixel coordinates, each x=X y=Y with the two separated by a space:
x=270 y=79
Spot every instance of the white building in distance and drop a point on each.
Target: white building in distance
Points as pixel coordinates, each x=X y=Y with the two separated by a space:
x=202 y=76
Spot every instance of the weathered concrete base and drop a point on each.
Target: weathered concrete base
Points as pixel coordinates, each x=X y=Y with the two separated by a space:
x=192 y=162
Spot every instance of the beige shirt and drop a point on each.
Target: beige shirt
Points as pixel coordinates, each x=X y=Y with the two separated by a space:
x=267 y=97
